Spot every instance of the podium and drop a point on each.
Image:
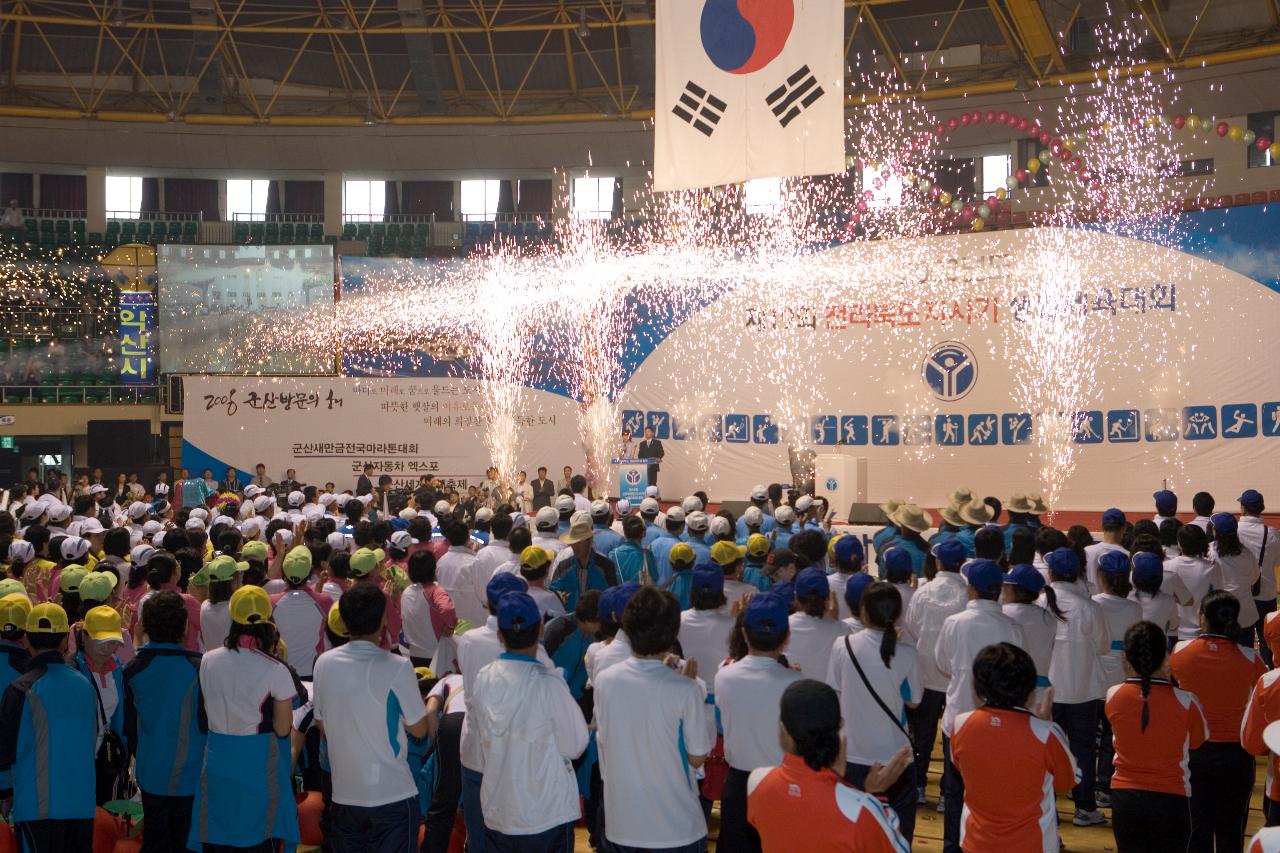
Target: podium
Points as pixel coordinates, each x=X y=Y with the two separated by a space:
x=842 y=478
x=633 y=479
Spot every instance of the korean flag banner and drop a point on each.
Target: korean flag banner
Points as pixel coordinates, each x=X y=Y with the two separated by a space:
x=747 y=89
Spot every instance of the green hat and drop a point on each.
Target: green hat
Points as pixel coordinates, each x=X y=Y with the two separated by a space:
x=97 y=586
x=9 y=586
x=297 y=563
x=220 y=568
x=397 y=576
x=69 y=580
x=363 y=562
x=256 y=550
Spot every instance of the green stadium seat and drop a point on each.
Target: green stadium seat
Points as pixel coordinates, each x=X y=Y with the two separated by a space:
x=362 y=231
x=331 y=239
x=175 y=231
x=32 y=226
x=424 y=229
x=380 y=229
x=271 y=233
x=46 y=226
x=190 y=231
x=113 y=226
x=77 y=229
x=128 y=230
x=62 y=226
x=286 y=232
x=393 y=231
x=349 y=231
x=257 y=232
x=317 y=232
x=93 y=238
x=144 y=231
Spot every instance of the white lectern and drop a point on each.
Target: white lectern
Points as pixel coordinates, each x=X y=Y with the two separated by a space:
x=842 y=478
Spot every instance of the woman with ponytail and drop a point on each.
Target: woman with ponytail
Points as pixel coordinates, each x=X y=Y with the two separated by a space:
x=1120 y=613
x=877 y=679
x=1154 y=726
x=1221 y=673
x=1023 y=588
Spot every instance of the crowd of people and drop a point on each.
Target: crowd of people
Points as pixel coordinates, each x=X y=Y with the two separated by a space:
x=264 y=664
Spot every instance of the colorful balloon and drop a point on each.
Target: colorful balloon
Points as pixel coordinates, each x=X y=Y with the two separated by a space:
x=1021 y=176
x=1000 y=193
x=944 y=198
x=1235 y=134
x=1262 y=143
x=984 y=210
x=977 y=224
x=1179 y=121
x=1222 y=128
x=1274 y=151
x=1033 y=165
x=1248 y=137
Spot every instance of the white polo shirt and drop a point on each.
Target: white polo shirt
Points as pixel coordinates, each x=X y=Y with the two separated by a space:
x=456 y=572
x=645 y=712
x=938 y=599
x=870 y=735
x=301 y=622
x=963 y=635
x=365 y=697
x=1199 y=577
x=749 y=696
x=215 y=624
x=601 y=656
x=1092 y=555
x=811 y=641
x=478 y=648
x=704 y=637
x=236 y=684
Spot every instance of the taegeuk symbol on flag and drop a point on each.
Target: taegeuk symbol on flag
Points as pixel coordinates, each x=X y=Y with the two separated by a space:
x=747 y=89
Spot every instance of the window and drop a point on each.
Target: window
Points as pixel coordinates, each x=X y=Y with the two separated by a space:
x=995 y=169
x=1262 y=124
x=364 y=201
x=762 y=195
x=247 y=199
x=593 y=198
x=885 y=192
x=480 y=200
x=1194 y=168
x=124 y=196
x=1028 y=148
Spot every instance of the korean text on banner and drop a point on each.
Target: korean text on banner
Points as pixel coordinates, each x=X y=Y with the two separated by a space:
x=137 y=327
x=748 y=89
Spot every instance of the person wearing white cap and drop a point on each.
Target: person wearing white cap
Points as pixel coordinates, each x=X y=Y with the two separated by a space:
x=691 y=504
x=480 y=526
x=760 y=503
x=565 y=508
x=498 y=550
x=649 y=509
x=672 y=528
x=696 y=526
x=546 y=529
x=264 y=506
x=606 y=538
x=784 y=517
x=59 y=515
x=138 y=513
x=621 y=509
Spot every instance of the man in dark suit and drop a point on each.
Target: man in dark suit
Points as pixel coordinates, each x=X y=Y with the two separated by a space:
x=543 y=490
x=364 y=483
x=651 y=449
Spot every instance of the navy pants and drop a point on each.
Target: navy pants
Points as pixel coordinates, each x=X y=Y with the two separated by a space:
x=1150 y=822
x=168 y=823
x=1221 y=784
x=952 y=787
x=1079 y=720
x=54 y=836
x=392 y=828
x=444 y=803
x=695 y=847
x=923 y=720
x=735 y=832
x=558 y=839
x=472 y=813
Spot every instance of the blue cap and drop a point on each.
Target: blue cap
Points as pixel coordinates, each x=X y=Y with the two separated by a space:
x=848 y=549
x=786 y=591
x=1147 y=566
x=517 y=611
x=615 y=598
x=1252 y=500
x=1025 y=576
x=1223 y=522
x=951 y=552
x=812 y=581
x=708 y=577
x=897 y=561
x=1166 y=501
x=1113 y=518
x=766 y=613
x=1114 y=563
x=399 y=523
x=501 y=584
x=854 y=589
x=984 y=575
x=1062 y=561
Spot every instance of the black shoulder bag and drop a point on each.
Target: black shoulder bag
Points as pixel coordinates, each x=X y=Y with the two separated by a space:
x=907 y=778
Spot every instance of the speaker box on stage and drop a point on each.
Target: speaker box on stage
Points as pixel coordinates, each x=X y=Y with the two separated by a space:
x=735 y=507
x=120 y=444
x=867 y=514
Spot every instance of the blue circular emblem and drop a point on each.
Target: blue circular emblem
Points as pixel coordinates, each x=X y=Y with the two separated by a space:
x=832 y=485
x=950 y=370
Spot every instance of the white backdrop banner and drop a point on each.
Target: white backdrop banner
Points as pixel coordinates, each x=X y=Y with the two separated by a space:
x=748 y=89
x=328 y=428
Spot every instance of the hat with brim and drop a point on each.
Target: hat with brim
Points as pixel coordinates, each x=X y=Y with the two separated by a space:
x=912 y=517
x=102 y=624
x=976 y=512
x=890 y=506
x=961 y=496
x=579 y=531
x=1019 y=503
x=1038 y=506
x=951 y=515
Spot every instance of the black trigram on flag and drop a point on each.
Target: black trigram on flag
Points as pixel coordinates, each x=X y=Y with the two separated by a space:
x=700 y=108
x=794 y=96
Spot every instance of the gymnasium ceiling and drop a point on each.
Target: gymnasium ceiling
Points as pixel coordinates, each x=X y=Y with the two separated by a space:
x=339 y=62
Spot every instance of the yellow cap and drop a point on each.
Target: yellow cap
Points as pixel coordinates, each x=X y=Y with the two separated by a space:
x=726 y=553
x=681 y=556
x=103 y=623
x=47 y=618
x=14 y=610
x=424 y=673
x=336 y=625
x=250 y=605
x=69 y=579
x=534 y=557
x=758 y=545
